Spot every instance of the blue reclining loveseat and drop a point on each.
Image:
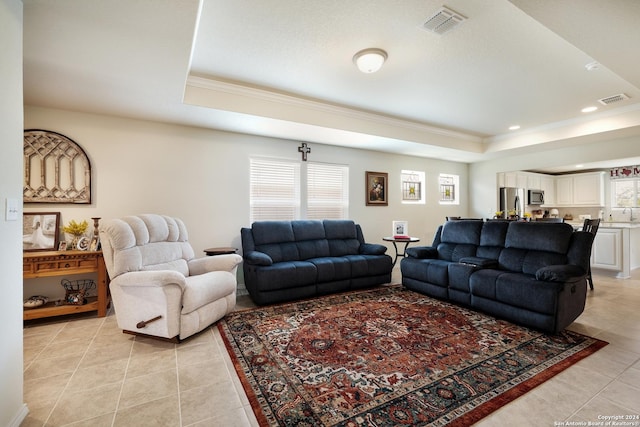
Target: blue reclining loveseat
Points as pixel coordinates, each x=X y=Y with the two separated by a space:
x=288 y=260
x=533 y=274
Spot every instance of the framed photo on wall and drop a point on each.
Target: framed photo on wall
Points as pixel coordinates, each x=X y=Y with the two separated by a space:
x=377 y=188
x=40 y=231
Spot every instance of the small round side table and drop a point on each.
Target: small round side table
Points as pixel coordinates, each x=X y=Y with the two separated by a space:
x=220 y=251
x=405 y=240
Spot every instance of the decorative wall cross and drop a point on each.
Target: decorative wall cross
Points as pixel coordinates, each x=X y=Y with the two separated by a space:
x=304 y=150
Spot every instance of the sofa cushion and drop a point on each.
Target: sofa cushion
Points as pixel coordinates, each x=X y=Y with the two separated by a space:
x=199 y=291
x=343 y=247
x=283 y=275
x=515 y=289
x=492 y=239
x=539 y=236
x=331 y=268
x=308 y=230
x=494 y=233
x=280 y=252
x=528 y=261
x=455 y=251
x=433 y=271
x=340 y=229
x=266 y=232
x=312 y=249
x=464 y=232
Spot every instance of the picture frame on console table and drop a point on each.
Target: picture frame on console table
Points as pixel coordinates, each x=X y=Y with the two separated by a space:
x=376 y=191
x=40 y=231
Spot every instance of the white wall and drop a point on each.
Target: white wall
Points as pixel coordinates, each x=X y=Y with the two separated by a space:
x=482 y=175
x=12 y=408
x=202 y=176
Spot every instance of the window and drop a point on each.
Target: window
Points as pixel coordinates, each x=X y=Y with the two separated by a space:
x=449 y=189
x=412 y=187
x=287 y=190
x=327 y=191
x=274 y=190
x=625 y=193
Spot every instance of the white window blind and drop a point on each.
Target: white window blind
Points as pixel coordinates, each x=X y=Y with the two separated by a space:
x=327 y=191
x=275 y=190
x=287 y=190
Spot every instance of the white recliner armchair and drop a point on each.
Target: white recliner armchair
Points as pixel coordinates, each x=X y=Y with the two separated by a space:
x=158 y=287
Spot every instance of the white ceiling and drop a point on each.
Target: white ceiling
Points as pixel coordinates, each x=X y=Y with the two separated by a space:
x=283 y=68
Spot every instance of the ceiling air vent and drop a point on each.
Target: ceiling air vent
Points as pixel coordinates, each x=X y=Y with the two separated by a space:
x=613 y=98
x=443 y=21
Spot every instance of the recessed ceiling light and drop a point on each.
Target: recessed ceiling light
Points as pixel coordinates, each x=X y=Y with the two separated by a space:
x=579 y=166
x=514 y=127
x=589 y=109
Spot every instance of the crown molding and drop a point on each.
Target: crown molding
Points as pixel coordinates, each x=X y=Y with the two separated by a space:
x=261 y=94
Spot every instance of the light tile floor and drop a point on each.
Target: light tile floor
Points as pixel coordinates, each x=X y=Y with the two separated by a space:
x=86 y=372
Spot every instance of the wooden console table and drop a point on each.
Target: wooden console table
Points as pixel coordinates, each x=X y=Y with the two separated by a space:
x=63 y=263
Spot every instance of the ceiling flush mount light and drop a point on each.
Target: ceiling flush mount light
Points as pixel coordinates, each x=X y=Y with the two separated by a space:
x=370 y=60
x=589 y=109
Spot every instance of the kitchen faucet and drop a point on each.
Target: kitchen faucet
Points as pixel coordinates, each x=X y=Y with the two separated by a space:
x=631 y=218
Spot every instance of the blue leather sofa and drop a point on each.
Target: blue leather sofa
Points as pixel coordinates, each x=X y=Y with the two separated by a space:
x=289 y=260
x=533 y=274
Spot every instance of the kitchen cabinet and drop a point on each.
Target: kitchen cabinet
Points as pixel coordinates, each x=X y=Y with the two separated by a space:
x=513 y=179
x=564 y=191
x=606 y=252
x=548 y=185
x=585 y=189
x=588 y=189
x=533 y=182
x=615 y=248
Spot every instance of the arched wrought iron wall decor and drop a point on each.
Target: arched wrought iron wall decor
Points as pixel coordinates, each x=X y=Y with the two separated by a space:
x=56 y=169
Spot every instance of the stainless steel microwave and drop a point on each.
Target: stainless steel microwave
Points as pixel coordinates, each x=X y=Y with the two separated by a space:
x=536 y=197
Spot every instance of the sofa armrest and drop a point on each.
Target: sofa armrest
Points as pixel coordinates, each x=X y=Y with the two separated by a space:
x=149 y=279
x=560 y=273
x=422 y=252
x=257 y=258
x=479 y=262
x=227 y=262
x=372 y=249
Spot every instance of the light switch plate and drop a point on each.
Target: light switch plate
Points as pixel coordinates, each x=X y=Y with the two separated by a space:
x=13 y=209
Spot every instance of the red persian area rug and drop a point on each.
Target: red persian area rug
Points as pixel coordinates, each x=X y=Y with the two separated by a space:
x=388 y=357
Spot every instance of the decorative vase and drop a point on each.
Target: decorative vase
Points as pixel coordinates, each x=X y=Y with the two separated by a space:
x=74 y=243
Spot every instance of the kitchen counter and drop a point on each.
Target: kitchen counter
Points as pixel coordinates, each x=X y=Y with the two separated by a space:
x=619 y=224
x=607 y=224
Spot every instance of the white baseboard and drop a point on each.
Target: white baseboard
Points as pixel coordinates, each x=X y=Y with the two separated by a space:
x=19 y=417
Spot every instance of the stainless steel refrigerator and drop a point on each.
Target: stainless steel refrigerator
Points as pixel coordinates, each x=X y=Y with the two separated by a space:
x=512 y=199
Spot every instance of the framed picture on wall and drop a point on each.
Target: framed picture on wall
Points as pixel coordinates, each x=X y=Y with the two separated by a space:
x=40 y=231
x=377 y=188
